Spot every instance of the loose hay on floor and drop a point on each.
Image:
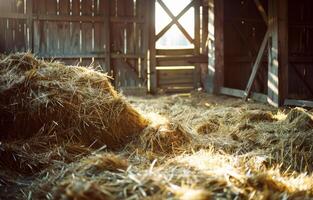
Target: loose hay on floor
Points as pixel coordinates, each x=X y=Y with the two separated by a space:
x=251 y=153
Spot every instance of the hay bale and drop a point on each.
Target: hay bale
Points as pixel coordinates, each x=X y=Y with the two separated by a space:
x=300 y=119
x=64 y=103
x=212 y=125
x=257 y=116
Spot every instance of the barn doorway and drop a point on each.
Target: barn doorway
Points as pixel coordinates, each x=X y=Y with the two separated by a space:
x=180 y=32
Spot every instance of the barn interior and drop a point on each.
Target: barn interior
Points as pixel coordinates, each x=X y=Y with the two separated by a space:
x=156 y=99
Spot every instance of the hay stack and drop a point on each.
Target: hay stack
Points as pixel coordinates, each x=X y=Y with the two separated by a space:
x=62 y=103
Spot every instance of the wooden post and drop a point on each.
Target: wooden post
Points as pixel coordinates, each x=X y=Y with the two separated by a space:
x=29 y=12
x=219 y=45
x=107 y=36
x=211 y=50
x=278 y=52
x=152 y=50
x=197 y=43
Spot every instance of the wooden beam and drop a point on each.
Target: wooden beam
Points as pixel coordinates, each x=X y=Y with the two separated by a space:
x=302 y=103
x=256 y=65
x=240 y=94
x=218 y=70
x=69 y=18
x=107 y=39
x=152 y=51
x=197 y=43
x=167 y=27
x=29 y=12
x=278 y=52
x=261 y=10
x=180 y=27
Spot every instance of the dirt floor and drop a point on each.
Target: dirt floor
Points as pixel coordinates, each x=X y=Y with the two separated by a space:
x=197 y=147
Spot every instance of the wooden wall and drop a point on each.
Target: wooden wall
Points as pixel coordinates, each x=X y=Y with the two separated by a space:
x=14 y=32
x=110 y=34
x=244 y=30
x=300 y=36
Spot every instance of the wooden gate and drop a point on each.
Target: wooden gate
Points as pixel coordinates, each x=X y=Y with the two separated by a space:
x=180 y=45
x=111 y=34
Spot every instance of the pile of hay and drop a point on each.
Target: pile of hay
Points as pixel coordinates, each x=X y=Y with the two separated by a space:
x=65 y=103
x=45 y=106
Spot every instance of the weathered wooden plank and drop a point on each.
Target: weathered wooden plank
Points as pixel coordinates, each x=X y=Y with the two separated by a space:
x=218 y=71
x=107 y=38
x=197 y=44
x=125 y=8
x=9 y=36
x=256 y=65
x=295 y=102
x=171 y=73
x=240 y=94
x=86 y=27
x=175 y=81
x=20 y=33
x=30 y=26
x=63 y=28
x=205 y=29
x=178 y=62
x=152 y=52
x=75 y=29
x=102 y=34
x=51 y=36
x=144 y=37
x=2 y=35
x=176 y=85
x=278 y=53
x=174 y=20
x=39 y=42
x=211 y=49
x=173 y=52
x=261 y=10
x=5 y=6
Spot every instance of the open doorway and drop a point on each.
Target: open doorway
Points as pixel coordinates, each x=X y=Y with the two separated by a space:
x=180 y=33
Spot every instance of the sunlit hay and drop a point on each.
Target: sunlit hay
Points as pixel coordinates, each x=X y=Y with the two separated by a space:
x=244 y=177
x=81 y=190
x=257 y=116
x=108 y=161
x=299 y=119
x=267 y=182
x=65 y=103
x=165 y=138
x=186 y=193
x=210 y=126
x=280 y=115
